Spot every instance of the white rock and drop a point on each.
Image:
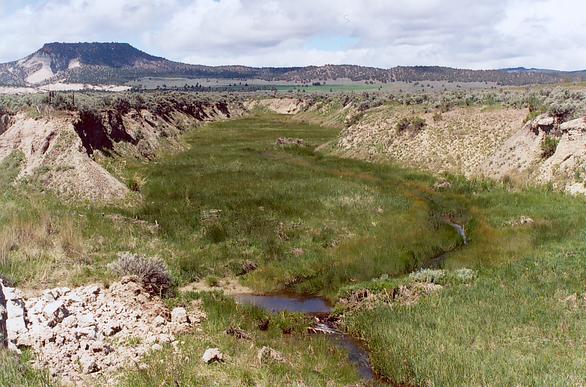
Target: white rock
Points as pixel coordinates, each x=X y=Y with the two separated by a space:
x=36 y=308
x=179 y=316
x=165 y=339
x=70 y=321
x=88 y=332
x=15 y=326
x=15 y=308
x=25 y=340
x=88 y=364
x=211 y=355
x=11 y=293
x=55 y=312
x=42 y=333
x=112 y=328
x=159 y=321
x=86 y=320
x=267 y=355
x=73 y=298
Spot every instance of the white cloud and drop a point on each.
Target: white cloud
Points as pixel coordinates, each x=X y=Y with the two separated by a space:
x=384 y=33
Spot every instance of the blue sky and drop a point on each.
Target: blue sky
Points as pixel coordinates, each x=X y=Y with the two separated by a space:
x=384 y=33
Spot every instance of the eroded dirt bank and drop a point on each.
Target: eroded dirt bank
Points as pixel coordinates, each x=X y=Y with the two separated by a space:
x=61 y=149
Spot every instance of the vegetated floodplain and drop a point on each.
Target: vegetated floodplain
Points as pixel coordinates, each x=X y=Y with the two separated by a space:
x=311 y=222
x=317 y=224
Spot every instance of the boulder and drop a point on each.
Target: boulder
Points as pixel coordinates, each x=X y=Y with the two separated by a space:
x=179 y=316
x=15 y=326
x=88 y=364
x=212 y=355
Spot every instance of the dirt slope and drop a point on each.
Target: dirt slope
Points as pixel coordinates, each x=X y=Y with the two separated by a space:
x=61 y=149
x=522 y=154
x=476 y=142
x=461 y=141
x=54 y=153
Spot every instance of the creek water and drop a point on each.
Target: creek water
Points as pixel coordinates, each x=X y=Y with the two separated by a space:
x=318 y=307
x=438 y=261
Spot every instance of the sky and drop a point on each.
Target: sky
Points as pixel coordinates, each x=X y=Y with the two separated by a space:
x=476 y=34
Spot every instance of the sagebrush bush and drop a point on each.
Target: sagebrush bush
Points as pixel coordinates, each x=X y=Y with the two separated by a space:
x=415 y=124
x=152 y=272
x=428 y=275
x=464 y=275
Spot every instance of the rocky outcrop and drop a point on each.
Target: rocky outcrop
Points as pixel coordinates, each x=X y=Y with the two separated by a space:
x=6 y=120
x=80 y=333
x=523 y=154
x=3 y=318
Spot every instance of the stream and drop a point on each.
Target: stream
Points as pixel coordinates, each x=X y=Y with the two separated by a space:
x=438 y=261
x=317 y=307
x=320 y=309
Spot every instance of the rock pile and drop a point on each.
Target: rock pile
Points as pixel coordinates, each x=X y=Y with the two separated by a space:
x=89 y=331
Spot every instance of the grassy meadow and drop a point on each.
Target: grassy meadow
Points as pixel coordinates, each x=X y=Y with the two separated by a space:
x=318 y=224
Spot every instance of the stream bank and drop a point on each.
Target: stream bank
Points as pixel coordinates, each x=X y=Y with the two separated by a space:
x=320 y=310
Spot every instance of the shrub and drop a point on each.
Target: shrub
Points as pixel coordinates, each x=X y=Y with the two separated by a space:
x=415 y=124
x=212 y=281
x=464 y=275
x=562 y=111
x=403 y=124
x=136 y=182
x=428 y=275
x=437 y=116
x=152 y=272
x=549 y=146
x=121 y=105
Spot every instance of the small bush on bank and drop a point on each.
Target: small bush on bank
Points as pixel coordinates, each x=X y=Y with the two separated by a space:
x=549 y=146
x=152 y=272
x=428 y=275
x=414 y=124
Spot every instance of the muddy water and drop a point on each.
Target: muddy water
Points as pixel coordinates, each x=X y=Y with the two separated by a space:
x=314 y=306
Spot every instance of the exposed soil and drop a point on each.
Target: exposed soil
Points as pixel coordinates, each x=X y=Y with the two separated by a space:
x=62 y=149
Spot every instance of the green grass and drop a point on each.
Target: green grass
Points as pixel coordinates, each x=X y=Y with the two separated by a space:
x=16 y=371
x=309 y=359
x=317 y=224
x=235 y=196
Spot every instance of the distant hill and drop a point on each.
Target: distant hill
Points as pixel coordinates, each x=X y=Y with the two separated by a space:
x=116 y=63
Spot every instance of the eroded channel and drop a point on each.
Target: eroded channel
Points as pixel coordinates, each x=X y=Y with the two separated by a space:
x=320 y=309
